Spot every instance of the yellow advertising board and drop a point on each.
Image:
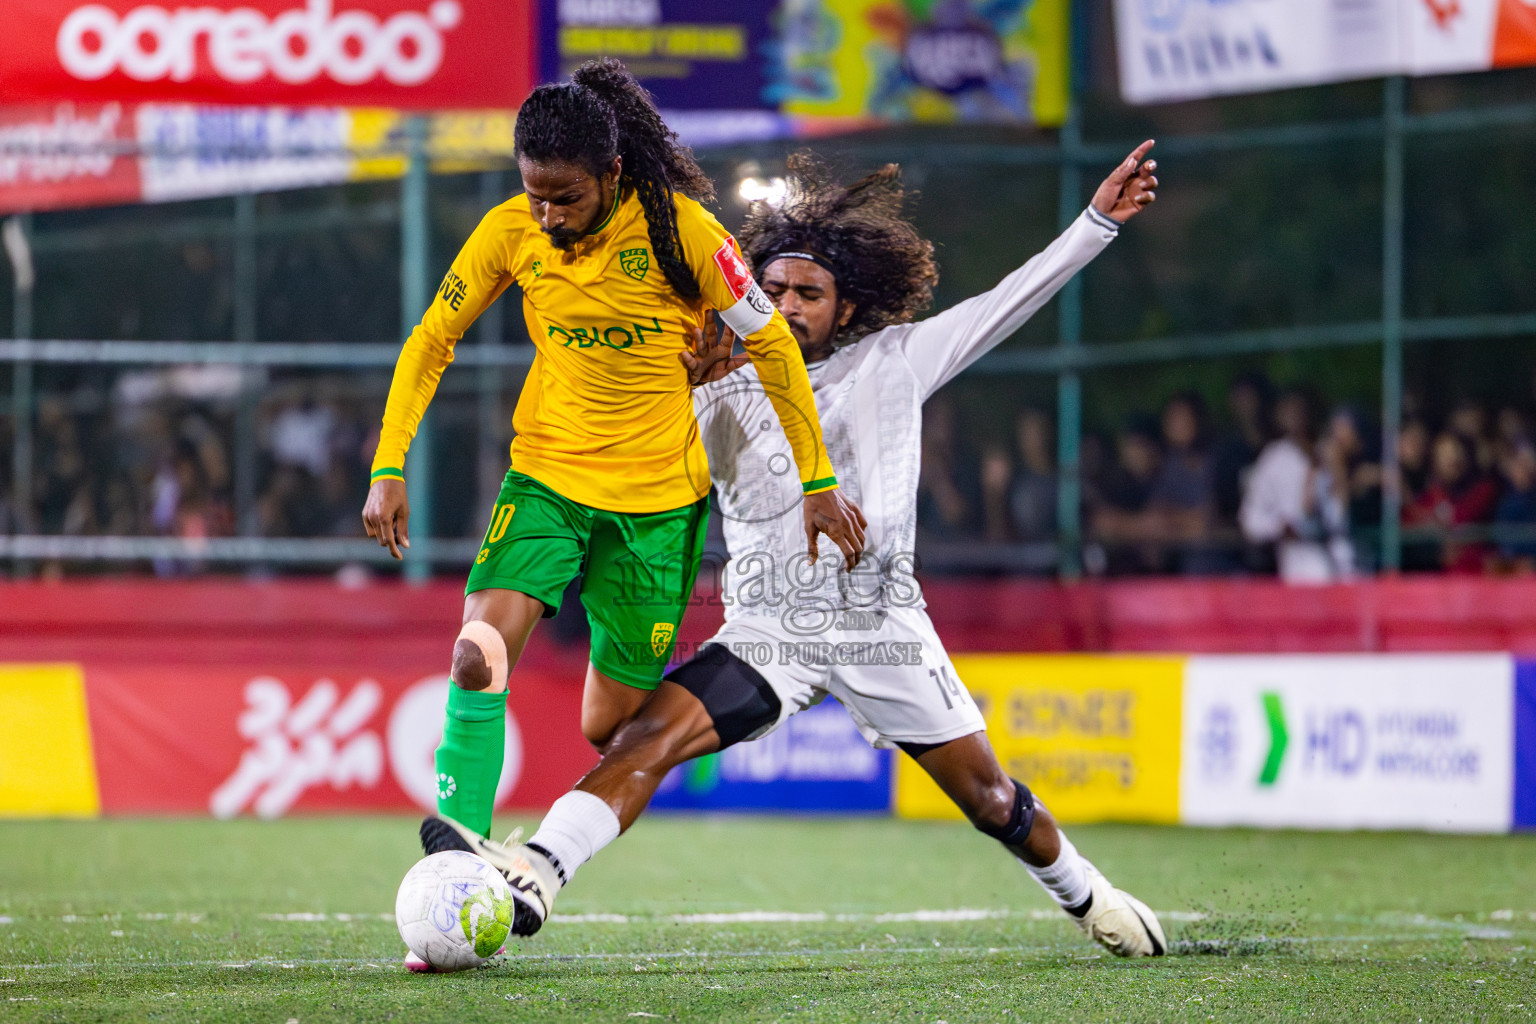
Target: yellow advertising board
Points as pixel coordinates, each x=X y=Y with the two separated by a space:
x=46 y=765
x=1096 y=737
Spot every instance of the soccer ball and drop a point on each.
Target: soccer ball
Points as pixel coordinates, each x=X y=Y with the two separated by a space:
x=454 y=910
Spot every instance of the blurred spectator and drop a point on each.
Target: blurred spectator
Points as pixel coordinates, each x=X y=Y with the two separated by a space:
x=1517 y=508
x=1291 y=508
x=1459 y=494
x=1181 y=508
x=1031 y=494
x=1248 y=404
x=301 y=436
x=946 y=494
x=59 y=467
x=1511 y=430
x=1413 y=460
x=1117 y=513
x=182 y=505
x=1351 y=457
x=1469 y=419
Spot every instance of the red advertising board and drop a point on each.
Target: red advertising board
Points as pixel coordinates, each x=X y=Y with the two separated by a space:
x=228 y=742
x=415 y=54
x=64 y=154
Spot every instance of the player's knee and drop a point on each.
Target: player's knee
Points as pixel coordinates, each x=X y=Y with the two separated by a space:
x=598 y=727
x=480 y=658
x=1006 y=813
x=990 y=802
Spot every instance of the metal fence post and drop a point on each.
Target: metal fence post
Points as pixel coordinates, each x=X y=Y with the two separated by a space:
x=245 y=295
x=1394 y=110
x=1069 y=384
x=415 y=255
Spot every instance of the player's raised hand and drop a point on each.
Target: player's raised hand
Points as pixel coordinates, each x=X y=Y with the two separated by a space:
x=830 y=513
x=711 y=357
x=386 y=513
x=1130 y=188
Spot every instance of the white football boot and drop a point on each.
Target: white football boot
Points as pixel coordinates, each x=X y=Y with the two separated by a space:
x=533 y=877
x=1119 y=921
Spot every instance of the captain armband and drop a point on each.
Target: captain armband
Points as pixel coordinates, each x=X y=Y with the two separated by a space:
x=750 y=314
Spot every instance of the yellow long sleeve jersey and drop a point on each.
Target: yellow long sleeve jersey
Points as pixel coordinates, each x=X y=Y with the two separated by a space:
x=606 y=415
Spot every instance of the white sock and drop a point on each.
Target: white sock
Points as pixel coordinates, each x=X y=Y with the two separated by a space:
x=576 y=827
x=1067 y=879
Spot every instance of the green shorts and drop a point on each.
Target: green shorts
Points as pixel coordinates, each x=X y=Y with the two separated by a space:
x=637 y=570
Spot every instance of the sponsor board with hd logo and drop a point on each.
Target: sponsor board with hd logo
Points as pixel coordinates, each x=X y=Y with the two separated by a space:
x=1349 y=741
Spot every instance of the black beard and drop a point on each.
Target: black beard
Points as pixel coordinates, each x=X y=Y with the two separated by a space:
x=562 y=239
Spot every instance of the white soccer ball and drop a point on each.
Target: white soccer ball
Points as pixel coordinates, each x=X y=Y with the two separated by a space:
x=454 y=910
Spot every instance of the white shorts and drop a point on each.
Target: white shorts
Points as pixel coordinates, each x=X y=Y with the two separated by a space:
x=892 y=675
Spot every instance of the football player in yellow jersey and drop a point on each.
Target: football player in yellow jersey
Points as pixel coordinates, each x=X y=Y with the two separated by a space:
x=619 y=265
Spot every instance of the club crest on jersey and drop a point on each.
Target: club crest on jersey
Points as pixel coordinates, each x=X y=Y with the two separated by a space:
x=635 y=262
x=661 y=638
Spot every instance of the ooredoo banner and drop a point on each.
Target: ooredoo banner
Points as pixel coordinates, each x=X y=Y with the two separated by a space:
x=411 y=54
x=1363 y=741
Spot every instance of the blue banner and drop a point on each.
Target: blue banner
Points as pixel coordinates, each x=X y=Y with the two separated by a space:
x=815 y=761
x=691 y=54
x=1525 y=744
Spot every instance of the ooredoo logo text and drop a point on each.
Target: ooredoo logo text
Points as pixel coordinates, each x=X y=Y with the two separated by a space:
x=152 y=43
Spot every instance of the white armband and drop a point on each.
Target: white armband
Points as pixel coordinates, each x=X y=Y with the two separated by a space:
x=750 y=314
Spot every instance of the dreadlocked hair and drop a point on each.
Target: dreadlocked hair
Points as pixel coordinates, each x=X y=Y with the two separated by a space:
x=882 y=265
x=601 y=113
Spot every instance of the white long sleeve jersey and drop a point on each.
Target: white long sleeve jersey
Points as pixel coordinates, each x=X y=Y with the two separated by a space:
x=869 y=396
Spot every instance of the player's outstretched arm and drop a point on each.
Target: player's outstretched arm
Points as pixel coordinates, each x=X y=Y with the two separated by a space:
x=1130 y=188
x=941 y=346
x=386 y=515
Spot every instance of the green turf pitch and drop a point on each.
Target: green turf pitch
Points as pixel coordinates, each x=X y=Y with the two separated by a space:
x=695 y=920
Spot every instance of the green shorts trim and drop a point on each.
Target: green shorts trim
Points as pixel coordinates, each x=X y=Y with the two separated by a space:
x=637 y=570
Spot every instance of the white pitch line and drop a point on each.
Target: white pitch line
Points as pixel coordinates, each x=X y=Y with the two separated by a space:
x=949 y=916
x=683 y=954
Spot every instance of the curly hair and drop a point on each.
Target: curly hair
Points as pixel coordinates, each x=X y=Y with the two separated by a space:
x=882 y=265
x=601 y=113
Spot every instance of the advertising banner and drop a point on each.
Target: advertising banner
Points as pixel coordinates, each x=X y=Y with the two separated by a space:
x=768 y=68
x=57 y=155
x=46 y=767
x=1097 y=738
x=815 y=761
x=1525 y=745
x=1354 y=741
x=1182 y=49
x=73 y=155
x=914 y=60
x=229 y=742
x=410 y=54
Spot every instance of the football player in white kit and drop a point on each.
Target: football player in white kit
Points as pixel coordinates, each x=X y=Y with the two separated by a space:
x=848 y=272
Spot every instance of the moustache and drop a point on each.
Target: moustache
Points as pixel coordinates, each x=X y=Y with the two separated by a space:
x=561 y=237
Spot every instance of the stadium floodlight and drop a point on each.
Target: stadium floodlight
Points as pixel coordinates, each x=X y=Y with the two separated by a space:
x=755 y=187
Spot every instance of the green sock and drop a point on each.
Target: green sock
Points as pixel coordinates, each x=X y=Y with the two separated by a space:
x=469 y=758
